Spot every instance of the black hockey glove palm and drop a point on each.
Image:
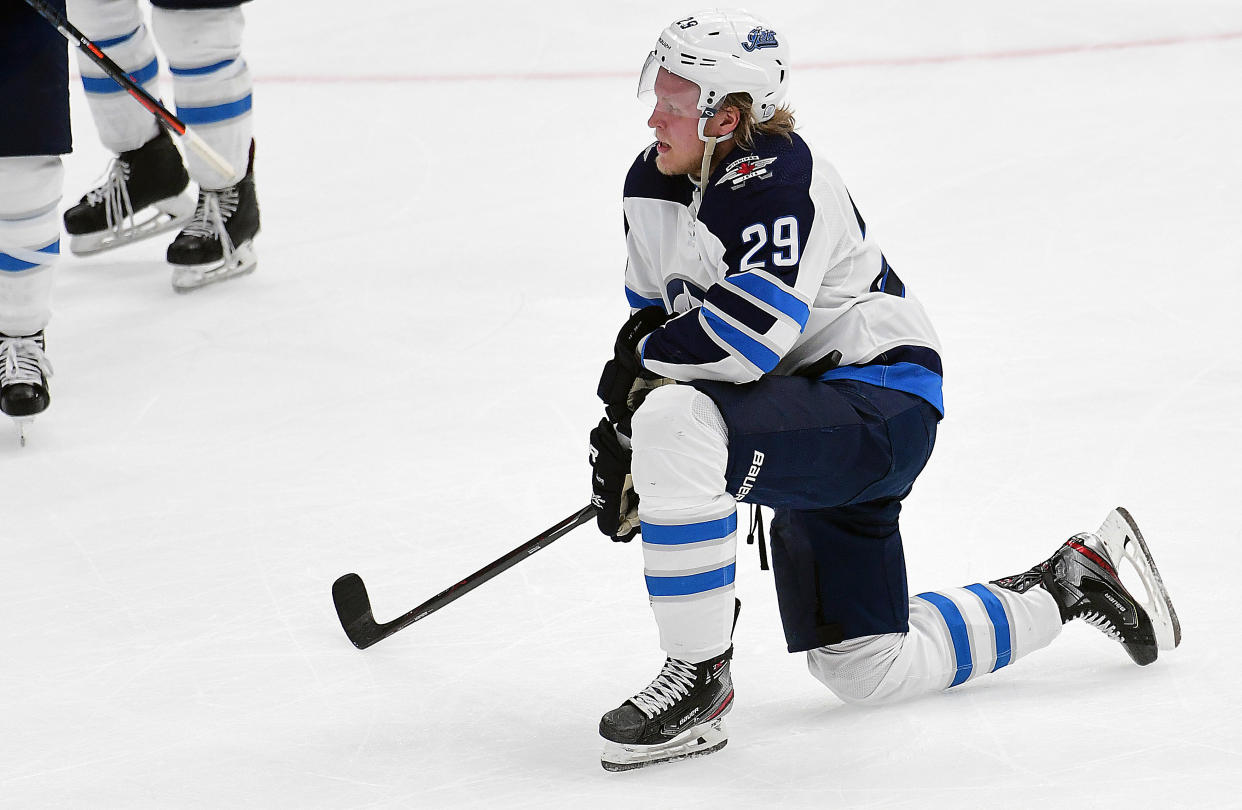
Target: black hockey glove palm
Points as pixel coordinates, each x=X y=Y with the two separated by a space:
x=612 y=488
x=617 y=381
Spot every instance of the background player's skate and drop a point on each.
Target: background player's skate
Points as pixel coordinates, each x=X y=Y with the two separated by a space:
x=144 y=192
x=24 y=370
x=218 y=242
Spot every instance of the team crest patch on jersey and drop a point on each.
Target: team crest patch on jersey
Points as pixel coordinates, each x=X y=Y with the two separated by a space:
x=748 y=168
x=760 y=38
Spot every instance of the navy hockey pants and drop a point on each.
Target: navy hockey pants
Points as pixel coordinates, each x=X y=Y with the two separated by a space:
x=34 y=83
x=834 y=459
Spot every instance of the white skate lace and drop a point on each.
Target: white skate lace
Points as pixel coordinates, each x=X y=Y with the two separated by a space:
x=113 y=192
x=22 y=361
x=674 y=682
x=214 y=209
x=1101 y=623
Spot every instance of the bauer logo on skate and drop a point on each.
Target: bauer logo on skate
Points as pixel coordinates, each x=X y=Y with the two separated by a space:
x=749 y=481
x=760 y=38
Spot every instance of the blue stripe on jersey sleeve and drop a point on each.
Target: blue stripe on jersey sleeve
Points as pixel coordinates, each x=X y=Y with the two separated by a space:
x=682 y=341
x=772 y=294
x=759 y=355
x=639 y=302
x=725 y=300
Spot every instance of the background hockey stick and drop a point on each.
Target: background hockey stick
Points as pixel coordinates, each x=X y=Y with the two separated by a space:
x=172 y=122
x=353 y=606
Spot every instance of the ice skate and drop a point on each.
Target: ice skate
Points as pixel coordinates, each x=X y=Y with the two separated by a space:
x=218 y=242
x=143 y=193
x=24 y=370
x=1084 y=580
x=680 y=714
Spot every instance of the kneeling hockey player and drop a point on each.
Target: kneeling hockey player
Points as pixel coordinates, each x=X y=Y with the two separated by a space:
x=806 y=377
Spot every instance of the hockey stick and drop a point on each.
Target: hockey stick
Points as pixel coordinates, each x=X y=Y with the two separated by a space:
x=353 y=606
x=172 y=122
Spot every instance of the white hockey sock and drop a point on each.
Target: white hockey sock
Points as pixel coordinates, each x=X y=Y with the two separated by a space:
x=689 y=523
x=211 y=83
x=955 y=635
x=116 y=26
x=30 y=189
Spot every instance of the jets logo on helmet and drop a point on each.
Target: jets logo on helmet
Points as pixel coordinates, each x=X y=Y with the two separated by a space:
x=760 y=38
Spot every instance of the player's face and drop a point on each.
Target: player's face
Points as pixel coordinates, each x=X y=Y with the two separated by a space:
x=675 y=123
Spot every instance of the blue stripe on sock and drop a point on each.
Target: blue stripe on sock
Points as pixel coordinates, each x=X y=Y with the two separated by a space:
x=108 y=43
x=689 y=532
x=695 y=583
x=957 y=632
x=12 y=264
x=1000 y=624
x=110 y=85
x=200 y=71
x=215 y=113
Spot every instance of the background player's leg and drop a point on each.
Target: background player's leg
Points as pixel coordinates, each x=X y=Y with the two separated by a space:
x=212 y=85
x=35 y=94
x=143 y=189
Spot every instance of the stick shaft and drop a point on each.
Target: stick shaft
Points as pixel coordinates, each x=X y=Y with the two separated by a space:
x=353 y=606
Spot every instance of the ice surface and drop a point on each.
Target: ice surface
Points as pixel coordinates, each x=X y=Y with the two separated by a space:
x=404 y=389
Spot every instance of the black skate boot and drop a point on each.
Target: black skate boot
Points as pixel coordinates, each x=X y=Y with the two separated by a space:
x=679 y=715
x=1083 y=579
x=217 y=243
x=24 y=370
x=143 y=193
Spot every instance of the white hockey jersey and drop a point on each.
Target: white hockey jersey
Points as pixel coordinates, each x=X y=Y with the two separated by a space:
x=768 y=273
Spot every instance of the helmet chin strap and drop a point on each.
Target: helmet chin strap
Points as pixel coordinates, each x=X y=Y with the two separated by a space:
x=709 y=148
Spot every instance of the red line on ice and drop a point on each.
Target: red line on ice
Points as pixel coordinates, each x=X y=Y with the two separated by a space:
x=888 y=61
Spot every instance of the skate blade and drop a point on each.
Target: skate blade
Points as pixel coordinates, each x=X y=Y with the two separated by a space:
x=1123 y=541
x=23 y=424
x=189 y=277
x=695 y=742
x=169 y=214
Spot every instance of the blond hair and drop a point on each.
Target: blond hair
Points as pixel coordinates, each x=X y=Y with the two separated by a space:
x=781 y=123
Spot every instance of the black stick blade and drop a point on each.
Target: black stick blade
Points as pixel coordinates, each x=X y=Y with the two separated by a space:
x=353 y=608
